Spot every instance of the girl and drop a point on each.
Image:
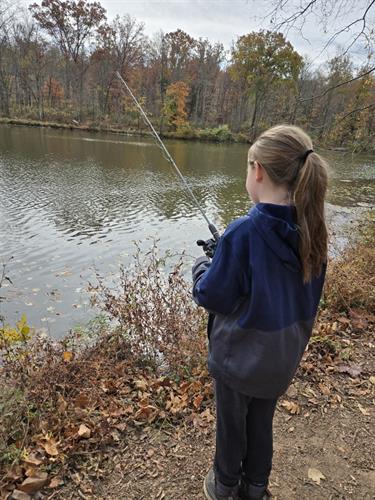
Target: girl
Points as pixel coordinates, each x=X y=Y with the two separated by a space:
x=262 y=290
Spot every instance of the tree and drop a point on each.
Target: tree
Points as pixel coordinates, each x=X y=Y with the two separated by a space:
x=205 y=66
x=71 y=24
x=175 y=105
x=7 y=12
x=121 y=48
x=261 y=60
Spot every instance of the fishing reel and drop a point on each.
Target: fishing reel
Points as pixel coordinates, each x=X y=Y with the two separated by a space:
x=209 y=246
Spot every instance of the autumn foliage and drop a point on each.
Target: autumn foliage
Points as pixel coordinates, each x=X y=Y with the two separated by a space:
x=60 y=66
x=142 y=363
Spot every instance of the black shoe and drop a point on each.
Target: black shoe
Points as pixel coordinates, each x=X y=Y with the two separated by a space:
x=249 y=491
x=217 y=491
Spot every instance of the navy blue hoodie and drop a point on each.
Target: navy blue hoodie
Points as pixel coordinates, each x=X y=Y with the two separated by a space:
x=262 y=313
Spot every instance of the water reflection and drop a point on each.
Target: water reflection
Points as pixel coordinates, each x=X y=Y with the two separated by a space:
x=72 y=200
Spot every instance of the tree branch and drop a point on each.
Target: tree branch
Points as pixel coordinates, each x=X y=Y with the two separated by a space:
x=338 y=85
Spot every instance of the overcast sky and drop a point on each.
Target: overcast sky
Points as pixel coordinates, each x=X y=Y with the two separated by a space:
x=224 y=20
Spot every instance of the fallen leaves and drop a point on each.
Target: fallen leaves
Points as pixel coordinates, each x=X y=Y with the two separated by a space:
x=315 y=475
x=364 y=411
x=50 y=446
x=353 y=370
x=291 y=407
x=67 y=356
x=84 y=432
x=32 y=484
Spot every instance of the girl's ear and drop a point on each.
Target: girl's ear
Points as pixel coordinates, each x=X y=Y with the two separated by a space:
x=259 y=172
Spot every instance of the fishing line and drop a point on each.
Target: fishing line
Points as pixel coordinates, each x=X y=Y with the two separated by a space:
x=169 y=158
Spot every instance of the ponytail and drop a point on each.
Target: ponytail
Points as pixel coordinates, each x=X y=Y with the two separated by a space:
x=308 y=198
x=285 y=152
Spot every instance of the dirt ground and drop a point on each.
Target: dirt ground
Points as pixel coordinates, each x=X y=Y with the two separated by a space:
x=324 y=444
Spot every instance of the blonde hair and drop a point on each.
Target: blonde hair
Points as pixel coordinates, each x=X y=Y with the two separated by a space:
x=285 y=153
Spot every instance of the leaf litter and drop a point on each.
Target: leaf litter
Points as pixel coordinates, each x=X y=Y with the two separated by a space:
x=137 y=388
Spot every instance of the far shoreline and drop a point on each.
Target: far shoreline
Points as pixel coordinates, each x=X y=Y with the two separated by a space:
x=233 y=139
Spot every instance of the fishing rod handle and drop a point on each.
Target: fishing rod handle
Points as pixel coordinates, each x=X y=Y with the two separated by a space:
x=214 y=232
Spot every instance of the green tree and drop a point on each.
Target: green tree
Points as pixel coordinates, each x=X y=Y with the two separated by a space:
x=261 y=60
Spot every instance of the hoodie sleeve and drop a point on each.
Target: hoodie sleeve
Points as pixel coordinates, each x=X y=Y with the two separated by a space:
x=220 y=285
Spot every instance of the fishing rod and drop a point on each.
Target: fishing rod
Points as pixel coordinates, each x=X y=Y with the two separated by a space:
x=211 y=227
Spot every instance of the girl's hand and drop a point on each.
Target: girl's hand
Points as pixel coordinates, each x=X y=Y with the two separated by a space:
x=209 y=246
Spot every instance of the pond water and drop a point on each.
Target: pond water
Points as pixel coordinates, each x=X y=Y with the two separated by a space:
x=72 y=202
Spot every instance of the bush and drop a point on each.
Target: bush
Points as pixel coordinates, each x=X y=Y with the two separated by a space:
x=218 y=134
x=350 y=279
x=156 y=313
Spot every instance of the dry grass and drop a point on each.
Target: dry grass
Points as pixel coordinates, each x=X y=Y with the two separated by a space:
x=350 y=282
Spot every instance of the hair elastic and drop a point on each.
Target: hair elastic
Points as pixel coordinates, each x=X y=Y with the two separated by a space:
x=306 y=154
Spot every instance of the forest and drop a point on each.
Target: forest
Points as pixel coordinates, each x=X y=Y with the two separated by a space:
x=58 y=63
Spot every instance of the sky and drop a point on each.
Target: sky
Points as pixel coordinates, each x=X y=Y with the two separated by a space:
x=225 y=20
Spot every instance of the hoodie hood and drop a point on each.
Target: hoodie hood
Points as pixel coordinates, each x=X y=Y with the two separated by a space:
x=277 y=225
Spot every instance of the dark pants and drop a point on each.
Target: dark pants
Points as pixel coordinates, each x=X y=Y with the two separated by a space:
x=244 y=444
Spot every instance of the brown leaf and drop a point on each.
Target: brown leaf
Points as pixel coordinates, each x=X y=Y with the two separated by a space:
x=207 y=415
x=51 y=447
x=326 y=391
x=33 y=484
x=141 y=384
x=292 y=407
x=84 y=432
x=197 y=401
x=32 y=460
x=20 y=495
x=372 y=380
x=62 y=404
x=352 y=370
x=344 y=320
x=55 y=482
x=82 y=400
x=363 y=410
x=315 y=475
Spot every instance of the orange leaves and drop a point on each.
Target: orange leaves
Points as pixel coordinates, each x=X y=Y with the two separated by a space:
x=67 y=356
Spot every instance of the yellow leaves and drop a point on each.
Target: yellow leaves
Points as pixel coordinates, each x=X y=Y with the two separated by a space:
x=20 y=333
x=315 y=475
x=175 y=104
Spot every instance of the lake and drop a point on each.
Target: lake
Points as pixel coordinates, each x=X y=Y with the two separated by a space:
x=72 y=202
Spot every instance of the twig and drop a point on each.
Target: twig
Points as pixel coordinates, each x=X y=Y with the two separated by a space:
x=338 y=85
